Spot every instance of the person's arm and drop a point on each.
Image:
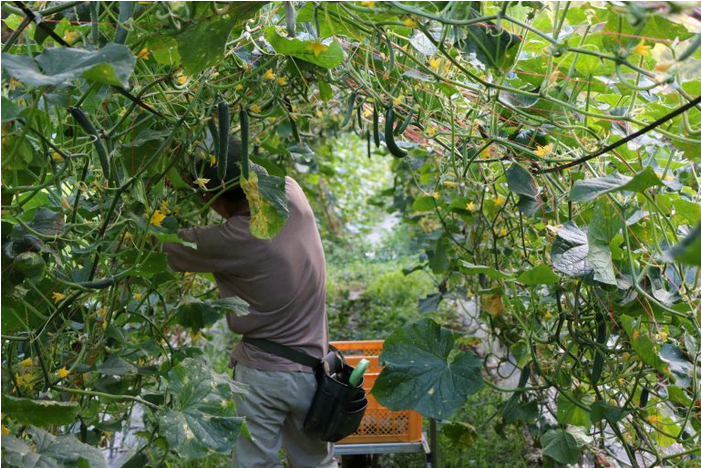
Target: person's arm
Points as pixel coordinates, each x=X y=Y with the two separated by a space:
x=205 y=258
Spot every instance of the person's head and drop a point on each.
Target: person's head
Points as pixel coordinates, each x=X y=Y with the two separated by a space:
x=233 y=199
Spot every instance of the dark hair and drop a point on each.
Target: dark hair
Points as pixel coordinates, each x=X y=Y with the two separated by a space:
x=204 y=169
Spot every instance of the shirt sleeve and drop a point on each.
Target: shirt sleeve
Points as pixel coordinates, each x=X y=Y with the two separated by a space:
x=205 y=258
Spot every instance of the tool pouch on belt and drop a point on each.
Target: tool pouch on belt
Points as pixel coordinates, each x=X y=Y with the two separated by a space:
x=337 y=407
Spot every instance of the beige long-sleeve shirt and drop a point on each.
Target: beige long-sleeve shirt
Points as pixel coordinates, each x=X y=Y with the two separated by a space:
x=283 y=280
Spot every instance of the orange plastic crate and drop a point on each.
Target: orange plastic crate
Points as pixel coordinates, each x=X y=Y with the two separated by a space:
x=379 y=424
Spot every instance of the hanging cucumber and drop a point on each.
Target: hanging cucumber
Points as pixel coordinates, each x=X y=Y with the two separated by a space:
x=125 y=11
x=244 y=143
x=82 y=119
x=215 y=136
x=394 y=150
x=598 y=365
x=406 y=123
x=223 y=157
x=375 y=127
x=369 y=145
x=349 y=111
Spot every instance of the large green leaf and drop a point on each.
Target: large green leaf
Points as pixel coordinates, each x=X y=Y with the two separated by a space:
x=267 y=199
x=39 y=412
x=611 y=413
x=202 y=419
x=642 y=343
x=330 y=57
x=50 y=451
x=589 y=189
x=561 y=446
x=603 y=227
x=419 y=373
x=688 y=250
x=569 y=413
x=203 y=44
x=570 y=250
x=541 y=274
x=197 y=314
x=521 y=181
x=471 y=269
x=112 y=65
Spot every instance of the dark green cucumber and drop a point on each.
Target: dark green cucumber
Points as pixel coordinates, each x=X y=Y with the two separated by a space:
x=394 y=150
x=82 y=119
x=369 y=145
x=598 y=365
x=215 y=136
x=376 y=127
x=223 y=157
x=349 y=111
x=244 y=143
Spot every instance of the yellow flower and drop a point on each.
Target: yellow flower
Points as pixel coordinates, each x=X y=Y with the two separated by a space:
x=499 y=201
x=26 y=363
x=435 y=63
x=430 y=131
x=642 y=49
x=653 y=419
x=367 y=112
x=157 y=217
x=282 y=81
x=471 y=206
x=398 y=100
x=319 y=114
x=62 y=372
x=138 y=296
x=368 y=4
x=544 y=151
x=436 y=195
x=122 y=112
x=181 y=79
x=5 y=430
x=269 y=75
x=58 y=297
x=662 y=336
x=317 y=48
x=202 y=182
x=65 y=204
x=71 y=36
x=636 y=334
x=143 y=53
x=410 y=23
x=127 y=236
x=212 y=159
x=238 y=87
x=56 y=156
x=102 y=312
x=503 y=232
x=164 y=206
x=255 y=108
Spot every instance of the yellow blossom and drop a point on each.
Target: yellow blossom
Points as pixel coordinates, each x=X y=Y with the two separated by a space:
x=19 y=380
x=58 y=297
x=662 y=336
x=471 y=206
x=255 y=108
x=56 y=156
x=410 y=23
x=317 y=48
x=102 y=312
x=430 y=131
x=503 y=232
x=499 y=201
x=127 y=236
x=71 y=36
x=26 y=363
x=435 y=63
x=436 y=195
x=5 y=430
x=238 y=87
x=157 y=218
x=181 y=79
x=269 y=75
x=122 y=112
x=319 y=114
x=143 y=53
x=653 y=419
x=62 y=372
x=368 y=4
x=367 y=112
x=398 y=100
x=164 y=206
x=636 y=334
x=138 y=296
x=642 y=49
x=212 y=159
x=202 y=182
x=65 y=204
x=544 y=151
x=282 y=81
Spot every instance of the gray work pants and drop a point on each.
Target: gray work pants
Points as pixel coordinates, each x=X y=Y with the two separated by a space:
x=275 y=408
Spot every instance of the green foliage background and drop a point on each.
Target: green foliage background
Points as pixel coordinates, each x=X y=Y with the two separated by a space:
x=586 y=274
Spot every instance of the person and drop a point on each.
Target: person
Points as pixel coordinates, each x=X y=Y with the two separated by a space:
x=283 y=281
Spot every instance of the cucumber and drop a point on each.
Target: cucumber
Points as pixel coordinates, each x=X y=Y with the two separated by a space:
x=598 y=365
x=223 y=157
x=400 y=130
x=349 y=111
x=82 y=119
x=215 y=136
x=376 y=127
x=394 y=150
